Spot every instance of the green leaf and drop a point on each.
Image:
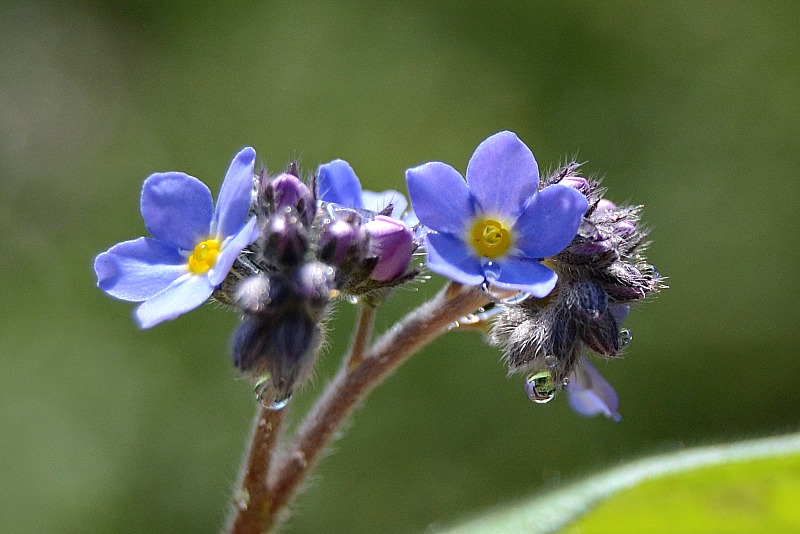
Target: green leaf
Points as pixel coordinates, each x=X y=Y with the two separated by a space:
x=751 y=486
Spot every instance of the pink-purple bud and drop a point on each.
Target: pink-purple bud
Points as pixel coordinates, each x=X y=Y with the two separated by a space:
x=336 y=241
x=605 y=205
x=286 y=239
x=391 y=241
x=575 y=182
x=290 y=192
x=624 y=228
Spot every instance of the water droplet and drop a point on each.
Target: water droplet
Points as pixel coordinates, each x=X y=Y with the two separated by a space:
x=352 y=299
x=264 y=395
x=649 y=270
x=550 y=361
x=516 y=298
x=541 y=387
x=280 y=404
x=242 y=499
x=472 y=318
x=453 y=325
x=625 y=337
x=491 y=271
x=261 y=387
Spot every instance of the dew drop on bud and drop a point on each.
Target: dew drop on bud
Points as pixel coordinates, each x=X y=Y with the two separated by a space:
x=649 y=270
x=261 y=387
x=625 y=337
x=541 y=387
x=352 y=299
x=279 y=404
x=264 y=395
x=550 y=361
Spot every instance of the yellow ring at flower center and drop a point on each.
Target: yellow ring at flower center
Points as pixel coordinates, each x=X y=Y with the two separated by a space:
x=204 y=256
x=490 y=238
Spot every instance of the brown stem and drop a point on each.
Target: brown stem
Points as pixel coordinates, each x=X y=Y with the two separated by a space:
x=252 y=499
x=351 y=385
x=363 y=333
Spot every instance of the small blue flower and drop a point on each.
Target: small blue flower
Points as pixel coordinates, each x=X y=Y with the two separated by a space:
x=337 y=183
x=193 y=247
x=591 y=394
x=497 y=226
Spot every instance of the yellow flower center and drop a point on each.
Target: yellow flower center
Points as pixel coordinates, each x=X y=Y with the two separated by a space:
x=204 y=256
x=490 y=238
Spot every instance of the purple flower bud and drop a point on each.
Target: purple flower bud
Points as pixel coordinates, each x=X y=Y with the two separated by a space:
x=313 y=283
x=391 y=241
x=286 y=239
x=290 y=192
x=253 y=293
x=605 y=205
x=336 y=242
x=575 y=182
x=624 y=229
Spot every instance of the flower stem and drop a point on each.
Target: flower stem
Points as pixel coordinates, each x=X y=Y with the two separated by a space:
x=363 y=333
x=353 y=383
x=252 y=498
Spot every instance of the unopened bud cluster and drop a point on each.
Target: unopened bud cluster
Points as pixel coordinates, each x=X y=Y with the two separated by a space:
x=600 y=274
x=306 y=254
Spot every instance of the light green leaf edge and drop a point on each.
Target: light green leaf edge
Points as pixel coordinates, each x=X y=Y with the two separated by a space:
x=554 y=511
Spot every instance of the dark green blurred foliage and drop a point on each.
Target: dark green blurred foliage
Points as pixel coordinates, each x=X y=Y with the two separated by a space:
x=689 y=108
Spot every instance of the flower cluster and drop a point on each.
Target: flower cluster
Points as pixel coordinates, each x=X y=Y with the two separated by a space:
x=600 y=274
x=313 y=244
x=279 y=249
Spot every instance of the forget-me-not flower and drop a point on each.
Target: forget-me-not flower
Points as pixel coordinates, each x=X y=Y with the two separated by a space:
x=193 y=246
x=337 y=183
x=498 y=225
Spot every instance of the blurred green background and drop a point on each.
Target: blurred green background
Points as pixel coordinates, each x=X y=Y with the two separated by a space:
x=690 y=108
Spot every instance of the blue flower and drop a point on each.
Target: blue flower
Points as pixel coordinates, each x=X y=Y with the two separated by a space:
x=193 y=247
x=497 y=226
x=337 y=183
x=591 y=394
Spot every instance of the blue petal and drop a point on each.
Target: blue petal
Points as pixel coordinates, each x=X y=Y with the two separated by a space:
x=377 y=202
x=136 y=270
x=502 y=174
x=337 y=183
x=440 y=197
x=550 y=221
x=177 y=209
x=235 y=194
x=591 y=394
x=183 y=295
x=230 y=251
x=523 y=274
x=451 y=257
